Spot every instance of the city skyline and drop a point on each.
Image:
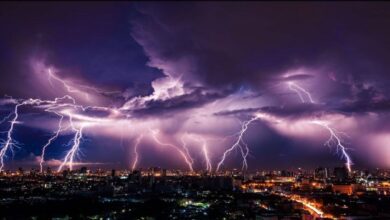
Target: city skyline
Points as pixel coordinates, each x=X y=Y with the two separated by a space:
x=194 y=86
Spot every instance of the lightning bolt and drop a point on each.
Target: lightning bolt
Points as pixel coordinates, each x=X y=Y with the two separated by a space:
x=9 y=143
x=137 y=142
x=299 y=90
x=244 y=149
x=182 y=153
x=72 y=88
x=69 y=157
x=206 y=156
x=203 y=143
x=336 y=139
x=56 y=134
x=334 y=135
x=240 y=143
x=184 y=146
x=67 y=86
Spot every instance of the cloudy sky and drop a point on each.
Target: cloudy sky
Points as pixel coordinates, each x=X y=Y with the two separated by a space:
x=256 y=85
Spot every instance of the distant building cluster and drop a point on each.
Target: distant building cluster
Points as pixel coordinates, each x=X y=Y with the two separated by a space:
x=157 y=193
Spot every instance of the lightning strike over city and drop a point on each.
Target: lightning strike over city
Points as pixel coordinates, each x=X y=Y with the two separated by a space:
x=186 y=150
x=336 y=139
x=205 y=151
x=49 y=142
x=131 y=105
x=136 y=155
x=239 y=143
x=155 y=136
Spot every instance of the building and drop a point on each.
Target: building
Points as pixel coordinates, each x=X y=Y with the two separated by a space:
x=343 y=188
x=340 y=174
x=321 y=173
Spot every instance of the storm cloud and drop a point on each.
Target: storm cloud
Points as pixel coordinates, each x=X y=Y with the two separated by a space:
x=177 y=70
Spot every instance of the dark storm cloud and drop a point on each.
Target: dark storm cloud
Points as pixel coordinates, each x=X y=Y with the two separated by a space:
x=233 y=43
x=85 y=41
x=297 y=77
x=245 y=111
x=364 y=107
x=235 y=55
x=298 y=110
x=309 y=109
x=194 y=99
x=365 y=98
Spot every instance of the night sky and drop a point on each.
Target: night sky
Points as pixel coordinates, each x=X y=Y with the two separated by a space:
x=180 y=84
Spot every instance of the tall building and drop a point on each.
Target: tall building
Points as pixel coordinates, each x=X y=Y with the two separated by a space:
x=286 y=173
x=164 y=172
x=135 y=176
x=20 y=171
x=113 y=173
x=340 y=173
x=48 y=171
x=83 y=170
x=321 y=173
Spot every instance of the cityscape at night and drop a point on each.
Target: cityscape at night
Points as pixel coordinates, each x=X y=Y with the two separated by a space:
x=194 y=110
